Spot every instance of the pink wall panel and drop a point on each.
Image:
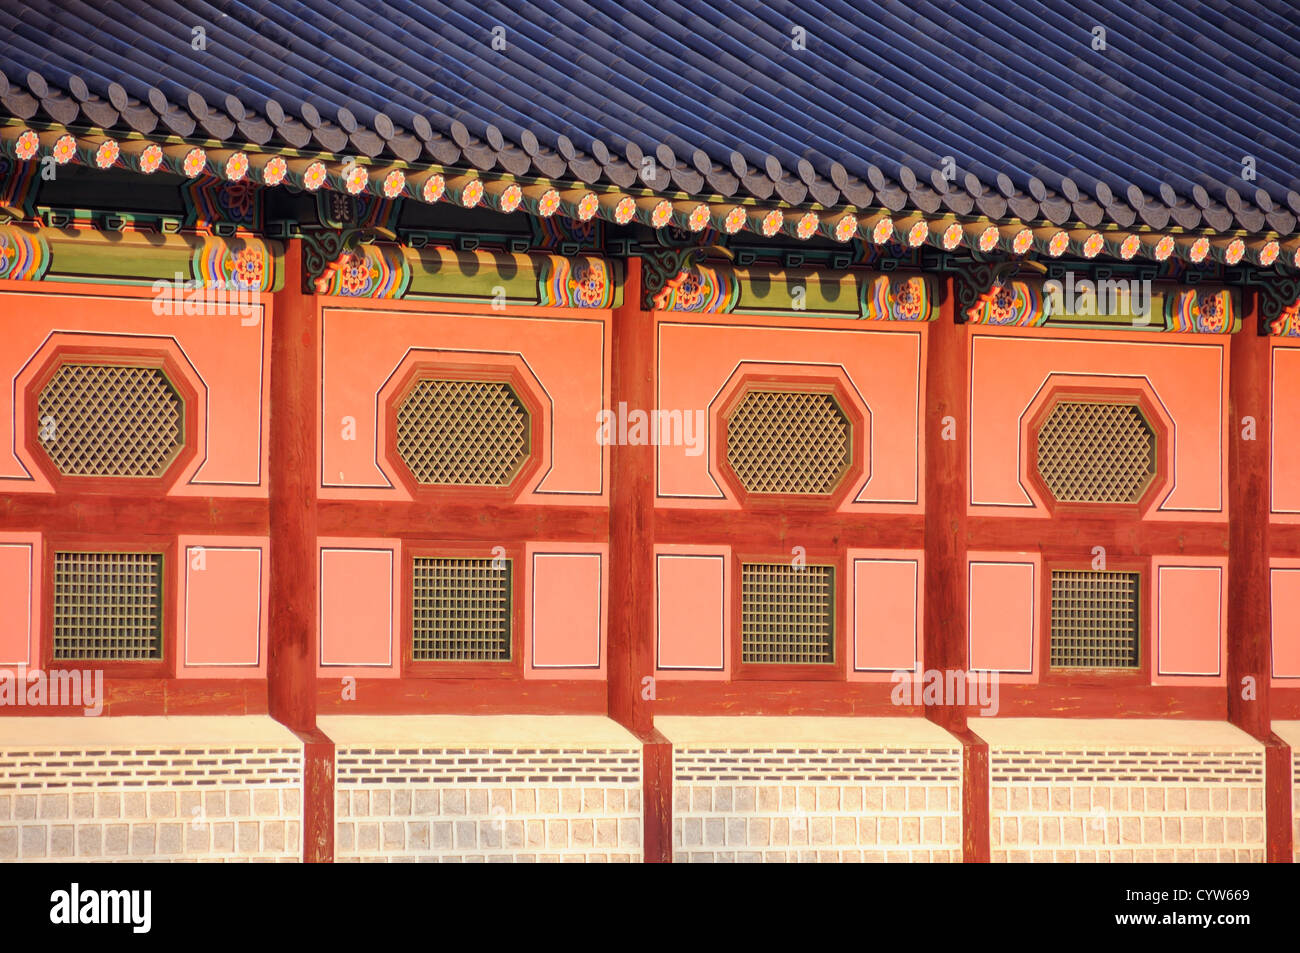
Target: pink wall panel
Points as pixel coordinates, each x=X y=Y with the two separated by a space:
x=366 y=354
x=358 y=617
x=691 y=606
x=20 y=555
x=1187 y=379
x=223 y=608
x=1189 y=623
x=881 y=367
x=885 y=613
x=228 y=359
x=565 y=612
x=1286 y=621
x=1286 y=432
x=1003 y=614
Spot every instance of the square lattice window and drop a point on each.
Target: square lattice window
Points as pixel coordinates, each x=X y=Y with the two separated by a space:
x=460 y=610
x=1094 y=619
x=787 y=614
x=108 y=606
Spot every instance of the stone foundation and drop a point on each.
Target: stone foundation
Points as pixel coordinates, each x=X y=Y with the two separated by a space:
x=149 y=789
x=485 y=789
x=814 y=789
x=1123 y=791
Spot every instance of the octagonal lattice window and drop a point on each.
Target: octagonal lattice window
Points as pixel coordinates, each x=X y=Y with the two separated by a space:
x=110 y=420
x=788 y=442
x=463 y=433
x=1096 y=452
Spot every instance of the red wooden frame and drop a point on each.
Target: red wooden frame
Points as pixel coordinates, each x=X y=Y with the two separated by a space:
x=1157 y=484
x=859 y=437
x=177 y=376
x=1112 y=679
x=835 y=670
x=424 y=668
x=487 y=373
x=164 y=667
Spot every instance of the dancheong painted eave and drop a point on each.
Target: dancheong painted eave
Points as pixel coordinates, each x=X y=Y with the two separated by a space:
x=1134 y=129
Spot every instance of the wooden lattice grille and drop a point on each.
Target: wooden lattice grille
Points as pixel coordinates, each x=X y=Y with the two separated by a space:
x=788 y=442
x=109 y=420
x=787 y=613
x=461 y=610
x=108 y=606
x=1094 y=619
x=1096 y=452
x=463 y=433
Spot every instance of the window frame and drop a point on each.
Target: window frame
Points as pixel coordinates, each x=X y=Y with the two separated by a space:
x=163 y=667
x=833 y=671
x=431 y=668
x=849 y=476
x=1111 y=677
x=1157 y=483
x=470 y=373
x=160 y=360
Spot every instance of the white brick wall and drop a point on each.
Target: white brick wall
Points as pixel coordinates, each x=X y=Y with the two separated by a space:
x=150 y=803
x=1126 y=805
x=488 y=804
x=826 y=804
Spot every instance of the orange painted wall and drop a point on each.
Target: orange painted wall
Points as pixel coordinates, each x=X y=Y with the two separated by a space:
x=1285 y=444
x=228 y=363
x=1187 y=375
x=880 y=362
x=564 y=353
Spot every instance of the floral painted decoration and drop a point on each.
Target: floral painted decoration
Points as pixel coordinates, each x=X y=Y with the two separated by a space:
x=588 y=207
x=662 y=212
x=1232 y=254
x=988 y=239
x=314 y=177
x=151 y=159
x=1129 y=247
x=64 y=149
x=952 y=236
x=356 y=178
x=1020 y=244
x=107 y=153
x=511 y=198
x=916 y=234
x=883 y=232
x=624 y=210
x=237 y=166
x=194 y=162
x=698 y=218
x=771 y=223
x=27 y=145
x=275 y=170
x=1058 y=244
x=1164 y=248
x=806 y=226
x=473 y=194
x=1268 y=254
x=549 y=203
x=434 y=186
x=394 y=183
x=846 y=227
x=1093 y=245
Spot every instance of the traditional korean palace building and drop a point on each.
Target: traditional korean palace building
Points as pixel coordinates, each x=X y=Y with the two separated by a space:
x=646 y=432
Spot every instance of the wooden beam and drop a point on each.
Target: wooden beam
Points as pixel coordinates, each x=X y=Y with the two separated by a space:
x=291 y=652
x=631 y=568
x=945 y=501
x=1249 y=615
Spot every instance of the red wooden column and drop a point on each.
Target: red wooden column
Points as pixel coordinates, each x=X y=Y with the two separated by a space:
x=944 y=626
x=1250 y=620
x=291 y=671
x=631 y=564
